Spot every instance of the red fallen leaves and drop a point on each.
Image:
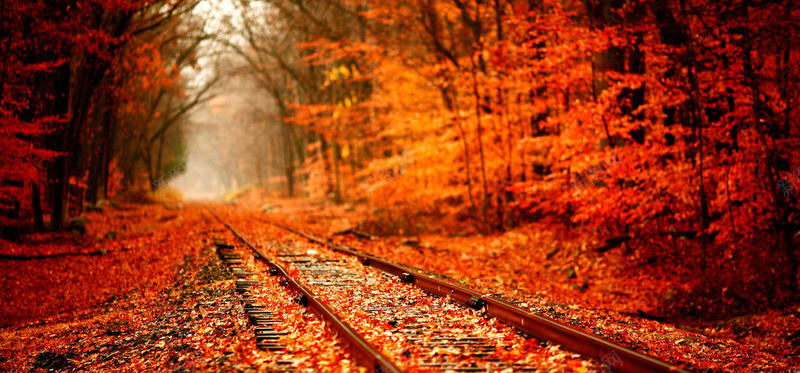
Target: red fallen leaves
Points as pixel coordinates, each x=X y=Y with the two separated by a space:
x=523 y=264
x=372 y=305
x=134 y=247
x=154 y=327
x=310 y=345
x=498 y=266
x=198 y=329
x=138 y=330
x=173 y=308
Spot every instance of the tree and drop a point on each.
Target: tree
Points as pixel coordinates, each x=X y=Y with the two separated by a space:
x=679 y=112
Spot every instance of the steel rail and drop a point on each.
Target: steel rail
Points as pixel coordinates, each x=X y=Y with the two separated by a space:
x=613 y=356
x=363 y=353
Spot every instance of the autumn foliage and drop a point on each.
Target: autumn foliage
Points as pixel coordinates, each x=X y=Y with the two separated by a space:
x=91 y=92
x=665 y=128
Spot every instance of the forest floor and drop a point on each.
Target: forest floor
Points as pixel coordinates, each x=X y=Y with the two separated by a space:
x=142 y=288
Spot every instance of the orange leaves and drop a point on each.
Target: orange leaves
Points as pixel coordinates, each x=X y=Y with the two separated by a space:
x=328 y=52
x=535 y=98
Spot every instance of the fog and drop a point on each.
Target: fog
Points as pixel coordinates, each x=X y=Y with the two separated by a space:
x=228 y=138
x=228 y=142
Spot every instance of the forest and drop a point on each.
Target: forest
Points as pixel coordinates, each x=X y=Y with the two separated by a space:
x=661 y=133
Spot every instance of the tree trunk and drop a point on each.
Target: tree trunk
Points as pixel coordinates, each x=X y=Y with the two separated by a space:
x=337 y=155
x=477 y=95
x=97 y=156
x=37 y=208
x=288 y=158
x=787 y=283
x=59 y=191
x=109 y=126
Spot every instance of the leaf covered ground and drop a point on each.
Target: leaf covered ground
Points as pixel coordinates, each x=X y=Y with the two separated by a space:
x=143 y=288
x=164 y=304
x=603 y=293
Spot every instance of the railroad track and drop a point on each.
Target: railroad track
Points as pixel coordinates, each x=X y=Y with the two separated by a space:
x=397 y=319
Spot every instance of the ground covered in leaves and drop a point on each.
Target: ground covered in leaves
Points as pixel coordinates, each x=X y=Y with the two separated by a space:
x=142 y=288
x=411 y=327
x=164 y=304
x=603 y=293
x=123 y=248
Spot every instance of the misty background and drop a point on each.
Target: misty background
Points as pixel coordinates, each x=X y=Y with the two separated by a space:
x=230 y=140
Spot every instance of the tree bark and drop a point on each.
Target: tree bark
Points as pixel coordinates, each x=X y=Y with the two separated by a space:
x=37 y=208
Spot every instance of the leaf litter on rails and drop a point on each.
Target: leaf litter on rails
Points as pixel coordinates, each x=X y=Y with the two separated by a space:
x=512 y=266
x=309 y=344
x=419 y=331
x=171 y=308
